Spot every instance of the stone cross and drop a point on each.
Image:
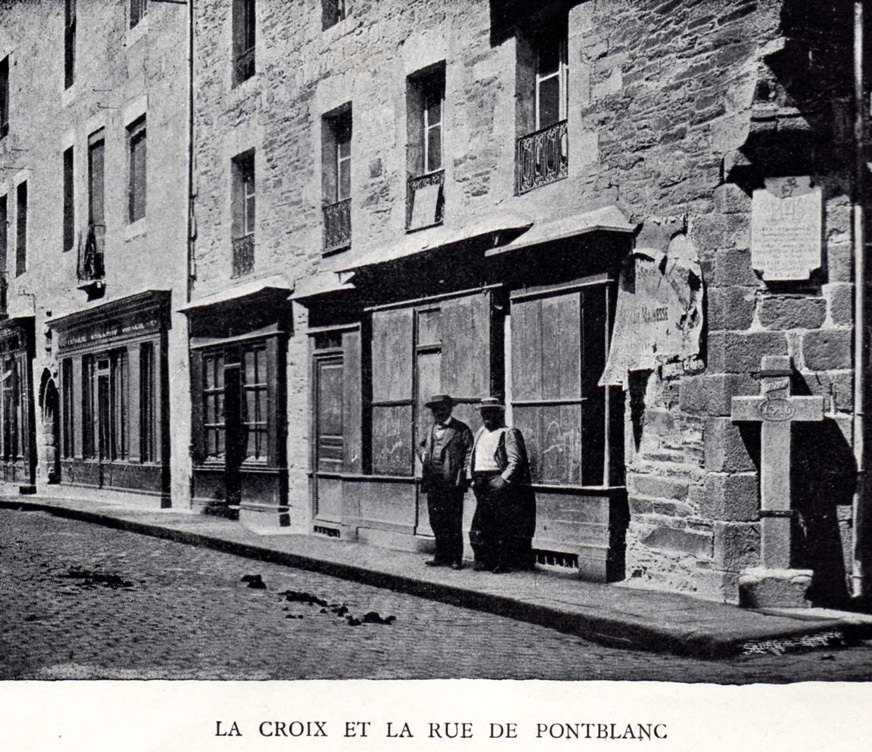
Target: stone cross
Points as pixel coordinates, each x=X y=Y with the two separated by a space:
x=777 y=411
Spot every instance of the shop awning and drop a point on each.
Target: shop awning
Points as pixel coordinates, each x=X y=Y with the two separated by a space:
x=499 y=227
x=607 y=219
x=321 y=283
x=265 y=290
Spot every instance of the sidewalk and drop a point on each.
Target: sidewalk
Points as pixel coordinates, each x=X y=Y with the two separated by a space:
x=609 y=614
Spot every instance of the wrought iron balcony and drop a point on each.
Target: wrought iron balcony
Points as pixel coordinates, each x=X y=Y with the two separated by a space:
x=90 y=262
x=245 y=65
x=243 y=256
x=543 y=157
x=425 y=200
x=337 y=226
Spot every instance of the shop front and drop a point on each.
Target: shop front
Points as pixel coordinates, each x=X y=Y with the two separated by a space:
x=17 y=428
x=114 y=396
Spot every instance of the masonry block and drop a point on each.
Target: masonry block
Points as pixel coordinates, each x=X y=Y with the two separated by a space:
x=731 y=352
x=731 y=199
x=657 y=487
x=827 y=349
x=841 y=304
x=731 y=268
x=774 y=588
x=736 y=545
x=840 y=262
x=792 y=312
x=715 y=231
x=712 y=394
x=733 y=497
x=730 y=308
x=680 y=541
x=725 y=448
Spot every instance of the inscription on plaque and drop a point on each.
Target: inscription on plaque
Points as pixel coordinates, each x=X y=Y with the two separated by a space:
x=786 y=228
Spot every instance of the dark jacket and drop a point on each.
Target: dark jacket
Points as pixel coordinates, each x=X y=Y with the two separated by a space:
x=457 y=445
x=510 y=456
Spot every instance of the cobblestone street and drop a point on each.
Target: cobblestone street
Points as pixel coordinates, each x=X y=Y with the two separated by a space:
x=81 y=601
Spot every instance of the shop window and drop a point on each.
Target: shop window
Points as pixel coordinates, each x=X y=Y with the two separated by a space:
x=425 y=119
x=4 y=96
x=213 y=405
x=244 y=30
x=137 y=170
x=69 y=206
x=336 y=179
x=105 y=406
x=147 y=390
x=21 y=230
x=254 y=387
x=559 y=349
x=543 y=76
x=423 y=350
x=332 y=12
x=138 y=9
x=70 y=44
x=69 y=404
x=120 y=385
x=243 y=221
x=10 y=403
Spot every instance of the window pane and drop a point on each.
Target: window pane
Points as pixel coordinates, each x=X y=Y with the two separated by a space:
x=137 y=175
x=434 y=149
x=549 y=56
x=344 y=179
x=434 y=108
x=95 y=183
x=250 y=369
x=549 y=101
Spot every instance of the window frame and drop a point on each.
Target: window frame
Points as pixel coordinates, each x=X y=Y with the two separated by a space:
x=69 y=222
x=244 y=39
x=558 y=34
x=137 y=11
x=342 y=130
x=429 y=95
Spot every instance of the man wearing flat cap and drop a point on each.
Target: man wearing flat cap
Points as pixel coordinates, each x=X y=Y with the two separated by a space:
x=444 y=453
x=500 y=474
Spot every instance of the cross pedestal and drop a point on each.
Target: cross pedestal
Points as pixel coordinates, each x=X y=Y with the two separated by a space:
x=774 y=583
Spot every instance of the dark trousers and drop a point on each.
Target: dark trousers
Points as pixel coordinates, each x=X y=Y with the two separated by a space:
x=446 y=518
x=491 y=533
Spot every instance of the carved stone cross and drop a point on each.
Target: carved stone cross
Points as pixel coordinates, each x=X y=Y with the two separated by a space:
x=777 y=410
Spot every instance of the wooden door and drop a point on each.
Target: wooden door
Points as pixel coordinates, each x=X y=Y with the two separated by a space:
x=235 y=441
x=329 y=440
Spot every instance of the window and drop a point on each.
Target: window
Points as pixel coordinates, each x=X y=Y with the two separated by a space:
x=4 y=236
x=138 y=9
x=90 y=262
x=11 y=406
x=147 y=387
x=70 y=44
x=332 y=12
x=137 y=185
x=572 y=426
x=336 y=183
x=254 y=404
x=543 y=72
x=4 y=96
x=69 y=208
x=425 y=116
x=243 y=204
x=88 y=444
x=213 y=404
x=69 y=403
x=120 y=399
x=21 y=230
x=552 y=71
x=243 y=40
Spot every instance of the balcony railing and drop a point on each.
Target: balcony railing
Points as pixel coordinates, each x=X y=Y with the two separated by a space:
x=425 y=200
x=90 y=267
x=245 y=65
x=243 y=256
x=337 y=226
x=543 y=157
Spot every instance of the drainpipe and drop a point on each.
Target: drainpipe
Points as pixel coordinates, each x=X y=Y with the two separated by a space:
x=189 y=282
x=857 y=574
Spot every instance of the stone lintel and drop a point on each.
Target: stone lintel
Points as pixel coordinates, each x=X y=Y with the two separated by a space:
x=776 y=365
x=770 y=588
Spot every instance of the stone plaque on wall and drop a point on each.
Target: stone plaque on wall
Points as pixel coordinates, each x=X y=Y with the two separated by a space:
x=786 y=228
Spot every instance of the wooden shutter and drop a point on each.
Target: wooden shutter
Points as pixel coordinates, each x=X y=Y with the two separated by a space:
x=392 y=343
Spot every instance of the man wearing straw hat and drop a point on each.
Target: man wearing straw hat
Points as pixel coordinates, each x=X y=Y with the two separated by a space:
x=500 y=474
x=444 y=454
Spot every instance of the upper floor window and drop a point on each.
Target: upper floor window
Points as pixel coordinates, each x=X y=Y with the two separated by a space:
x=243 y=205
x=426 y=105
x=138 y=9
x=69 y=43
x=90 y=264
x=4 y=235
x=21 y=230
x=4 y=96
x=137 y=185
x=69 y=208
x=332 y=12
x=243 y=40
x=543 y=74
x=336 y=165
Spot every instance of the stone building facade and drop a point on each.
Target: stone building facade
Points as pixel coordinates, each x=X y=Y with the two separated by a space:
x=548 y=202
x=97 y=131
